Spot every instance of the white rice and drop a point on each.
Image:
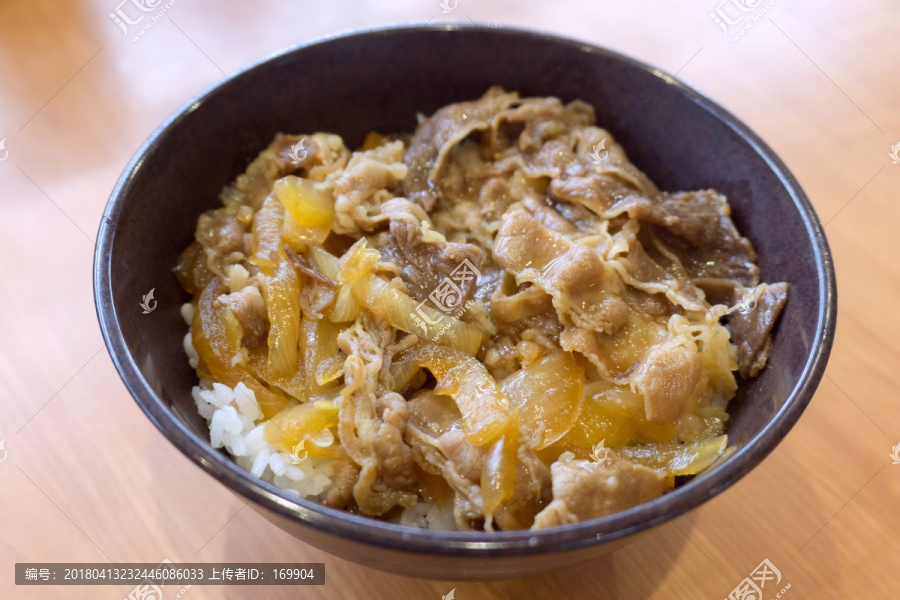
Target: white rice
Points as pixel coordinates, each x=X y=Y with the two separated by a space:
x=187 y=313
x=232 y=415
x=426 y=516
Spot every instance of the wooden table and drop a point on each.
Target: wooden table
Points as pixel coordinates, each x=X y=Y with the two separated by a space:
x=87 y=477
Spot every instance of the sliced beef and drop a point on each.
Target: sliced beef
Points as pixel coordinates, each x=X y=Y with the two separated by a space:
x=584 y=490
x=649 y=305
x=547 y=216
x=751 y=326
x=546 y=136
x=531 y=493
x=532 y=478
x=223 y=238
x=660 y=274
x=495 y=196
x=541 y=120
x=529 y=301
x=549 y=160
x=192 y=270
x=362 y=187
x=440 y=447
x=249 y=307
x=397 y=465
x=695 y=227
x=573 y=274
x=424 y=264
x=321 y=153
x=608 y=195
x=221 y=232
x=467 y=458
x=294 y=152
x=603 y=180
x=436 y=136
x=667 y=377
x=343 y=479
x=372 y=420
x=714 y=254
x=432 y=416
x=317 y=292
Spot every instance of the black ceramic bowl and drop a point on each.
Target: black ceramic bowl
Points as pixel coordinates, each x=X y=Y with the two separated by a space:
x=378 y=80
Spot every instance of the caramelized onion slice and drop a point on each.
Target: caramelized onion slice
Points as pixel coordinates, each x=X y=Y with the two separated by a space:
x=304 y=423
x=498 y=473
x=216 y=338
x=485 y=410
x=612 y=415
x=548 y=395
x=401 y=311
x=282 y=293
x=310 y=205
x=677 y=459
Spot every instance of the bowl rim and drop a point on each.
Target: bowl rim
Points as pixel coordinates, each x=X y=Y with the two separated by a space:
x=408 y=539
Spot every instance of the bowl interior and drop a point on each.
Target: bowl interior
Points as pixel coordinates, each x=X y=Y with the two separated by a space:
x=378 y=81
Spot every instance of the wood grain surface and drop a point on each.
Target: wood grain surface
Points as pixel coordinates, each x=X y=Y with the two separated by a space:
x=85 y=477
